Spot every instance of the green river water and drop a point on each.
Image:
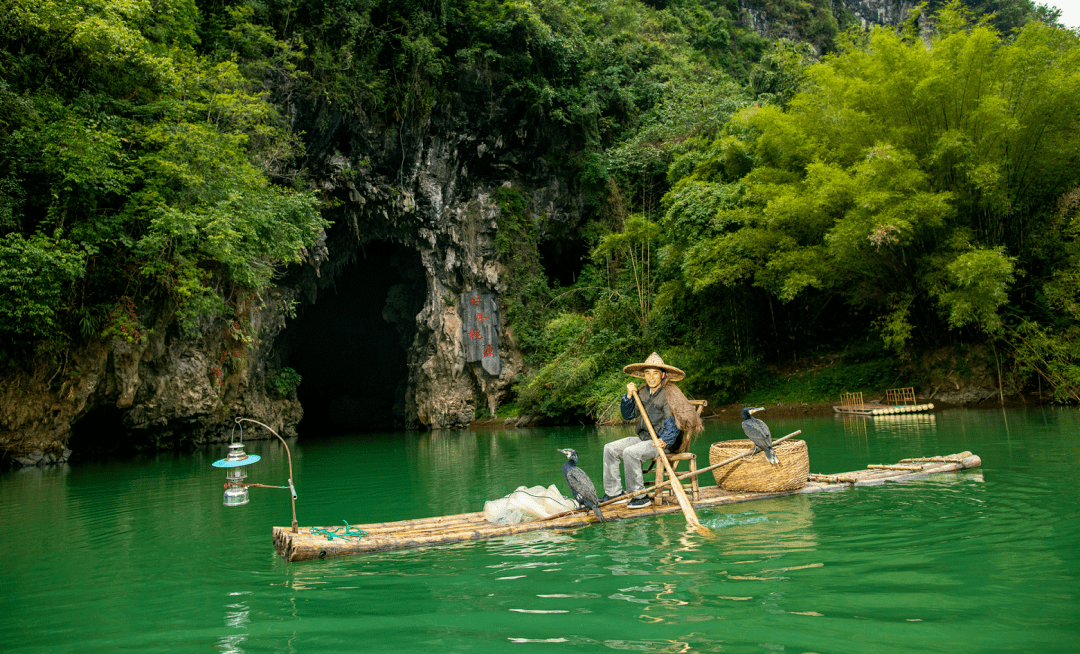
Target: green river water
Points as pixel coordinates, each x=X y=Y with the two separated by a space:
x=139 y=555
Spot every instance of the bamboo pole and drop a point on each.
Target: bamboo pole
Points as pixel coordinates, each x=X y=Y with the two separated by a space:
x=833 y=479
x=680 y=494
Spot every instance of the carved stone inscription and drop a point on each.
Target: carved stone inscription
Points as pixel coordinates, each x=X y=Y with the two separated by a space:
x=480 y=330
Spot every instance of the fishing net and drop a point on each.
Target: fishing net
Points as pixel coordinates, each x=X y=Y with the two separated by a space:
x=527 y=504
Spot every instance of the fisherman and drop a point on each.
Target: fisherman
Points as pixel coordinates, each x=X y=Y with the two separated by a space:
x=671 y=415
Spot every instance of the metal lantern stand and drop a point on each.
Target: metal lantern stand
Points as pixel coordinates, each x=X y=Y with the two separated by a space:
x=236 y=491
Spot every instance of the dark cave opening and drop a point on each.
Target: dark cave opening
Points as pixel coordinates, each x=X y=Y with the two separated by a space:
x=350 y=346
x=100 y=431
x=563 y=260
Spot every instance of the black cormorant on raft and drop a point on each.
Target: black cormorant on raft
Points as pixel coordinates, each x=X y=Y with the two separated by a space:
x=580 y=485
x=758 y=433
x=312 y=543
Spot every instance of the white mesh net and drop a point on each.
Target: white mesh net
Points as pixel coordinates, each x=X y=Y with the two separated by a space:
x=527 y=504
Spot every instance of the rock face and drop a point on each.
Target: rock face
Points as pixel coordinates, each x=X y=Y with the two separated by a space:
x=156 y=391
x=429 y=190
x=876 y=12
x=433 y=191
x=868 y=13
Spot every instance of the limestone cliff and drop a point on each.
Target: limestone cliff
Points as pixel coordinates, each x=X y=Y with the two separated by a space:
x=431 y=190
x=777 y=20
x=414 y=197
x=155 y=390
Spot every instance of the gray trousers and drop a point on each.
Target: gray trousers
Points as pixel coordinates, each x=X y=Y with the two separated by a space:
x=632 y=451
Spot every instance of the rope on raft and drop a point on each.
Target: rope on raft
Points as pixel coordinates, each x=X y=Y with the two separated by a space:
x=331 y=534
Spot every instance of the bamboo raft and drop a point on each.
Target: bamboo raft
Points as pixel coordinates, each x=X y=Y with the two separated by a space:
x=897 y=401
x=309 y=544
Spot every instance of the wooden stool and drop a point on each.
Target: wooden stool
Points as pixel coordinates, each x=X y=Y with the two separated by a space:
x=658 y=497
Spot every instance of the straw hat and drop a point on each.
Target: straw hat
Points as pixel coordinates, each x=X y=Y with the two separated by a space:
x=654 y=361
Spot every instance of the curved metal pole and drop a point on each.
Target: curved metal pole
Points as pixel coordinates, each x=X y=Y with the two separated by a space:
x=292 y=489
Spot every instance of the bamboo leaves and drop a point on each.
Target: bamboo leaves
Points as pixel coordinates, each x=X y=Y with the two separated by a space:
x=901 y=173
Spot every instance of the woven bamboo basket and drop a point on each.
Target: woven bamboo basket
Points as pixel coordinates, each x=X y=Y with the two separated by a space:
x=756 y=473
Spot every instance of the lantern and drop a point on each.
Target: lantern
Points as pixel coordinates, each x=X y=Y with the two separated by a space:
x=236 y=492
x=236 y=489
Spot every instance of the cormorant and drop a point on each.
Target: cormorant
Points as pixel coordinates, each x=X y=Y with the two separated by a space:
x=758 y=433
x=580 y=485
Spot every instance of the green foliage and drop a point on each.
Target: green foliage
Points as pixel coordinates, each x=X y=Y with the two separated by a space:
x=283 y=383
x=899 y=173
x=35 y=272
x=123 y=323
x=135 y=165
x=1053 y=353
x=892 y=188
x=527 y=294
x=823 y=385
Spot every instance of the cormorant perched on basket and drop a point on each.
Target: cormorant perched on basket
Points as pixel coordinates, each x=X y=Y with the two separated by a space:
x=580 y=485
x=758 y=433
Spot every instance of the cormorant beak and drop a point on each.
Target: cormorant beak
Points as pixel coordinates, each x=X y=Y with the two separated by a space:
x=755 y=410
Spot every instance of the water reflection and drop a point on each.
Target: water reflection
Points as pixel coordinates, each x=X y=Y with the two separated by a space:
x=237 y=616
x=911 y=425
x=854 y=424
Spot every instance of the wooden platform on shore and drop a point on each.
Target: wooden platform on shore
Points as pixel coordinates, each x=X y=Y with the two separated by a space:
x=310 y=544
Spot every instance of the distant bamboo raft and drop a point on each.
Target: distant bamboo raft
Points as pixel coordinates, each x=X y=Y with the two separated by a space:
x=897 y=401
x=444 y=530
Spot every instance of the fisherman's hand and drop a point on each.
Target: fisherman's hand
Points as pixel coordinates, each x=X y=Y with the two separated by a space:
x=631 y=388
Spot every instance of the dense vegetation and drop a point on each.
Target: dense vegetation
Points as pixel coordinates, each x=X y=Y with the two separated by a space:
x=138 y=170
x=752 y=201
x=918 y=190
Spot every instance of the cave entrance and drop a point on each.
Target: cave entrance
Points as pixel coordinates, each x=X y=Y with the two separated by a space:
x=101 y=431
x=350 y=347
x=563 y=260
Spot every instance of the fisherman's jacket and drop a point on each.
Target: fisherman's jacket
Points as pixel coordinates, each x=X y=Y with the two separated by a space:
x=656 y=407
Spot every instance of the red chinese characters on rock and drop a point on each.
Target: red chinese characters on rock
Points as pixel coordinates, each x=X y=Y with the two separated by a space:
x=475 y=301
x=476 y=334
x=481 y=318
x=489 y=351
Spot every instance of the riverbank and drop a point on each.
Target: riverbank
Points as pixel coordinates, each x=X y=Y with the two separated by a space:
x=969 y=398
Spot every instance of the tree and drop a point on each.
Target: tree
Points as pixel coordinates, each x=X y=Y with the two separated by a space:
x=906 y=174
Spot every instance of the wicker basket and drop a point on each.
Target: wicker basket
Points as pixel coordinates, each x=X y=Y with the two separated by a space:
x=757 y=474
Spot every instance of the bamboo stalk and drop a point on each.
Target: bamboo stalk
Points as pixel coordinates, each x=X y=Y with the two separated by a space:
x=833 y=479
x=680 y=494
x=878 y=466
x=952 y=458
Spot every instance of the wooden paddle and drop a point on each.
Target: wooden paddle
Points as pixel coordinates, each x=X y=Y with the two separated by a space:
x=680 y=494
